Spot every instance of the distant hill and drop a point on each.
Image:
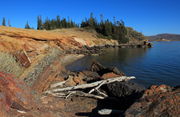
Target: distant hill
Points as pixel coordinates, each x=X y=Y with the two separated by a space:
x=165 y=37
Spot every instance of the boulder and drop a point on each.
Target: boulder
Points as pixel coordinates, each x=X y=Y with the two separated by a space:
x=79 y=79
x=90 y=76
x=96 y=67
x=158 y=101
x=70 y=82
x=109 y=75
x=75 y=79
x=126 y=92
x=100 y=69
x=116 y=71
x=121 y=95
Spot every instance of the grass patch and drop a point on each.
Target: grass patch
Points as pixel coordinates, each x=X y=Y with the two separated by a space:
x=8 y=64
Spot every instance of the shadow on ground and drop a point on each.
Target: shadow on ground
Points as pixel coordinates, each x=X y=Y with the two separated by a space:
x=121 y=96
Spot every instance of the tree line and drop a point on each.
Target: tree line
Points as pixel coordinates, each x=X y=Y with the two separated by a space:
x=57 y=23
x=105 y=28
x=115 y=29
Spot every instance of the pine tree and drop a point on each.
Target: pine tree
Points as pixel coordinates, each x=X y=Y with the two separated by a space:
x=47 y=24
x=121 y=32
x=4 y=21
x=108 y=28
x=39 y=23
x=64 y=23
x=53 y=24
x=27 y=26
x=92 y=21
x=58 y=22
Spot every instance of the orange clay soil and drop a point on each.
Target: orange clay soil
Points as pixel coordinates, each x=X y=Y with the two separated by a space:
x=12 y=39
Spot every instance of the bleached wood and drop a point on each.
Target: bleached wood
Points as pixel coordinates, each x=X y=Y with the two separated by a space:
x=59 y=84
x=101 y=93
x=90 y=85
x=95 y=89
x=77 y=93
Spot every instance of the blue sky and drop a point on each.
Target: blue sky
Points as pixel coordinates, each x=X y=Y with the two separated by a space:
x=147 y=16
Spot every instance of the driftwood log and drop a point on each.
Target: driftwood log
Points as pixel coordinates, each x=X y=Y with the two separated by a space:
x=90 y=85
x=77 y=90
x=76 y=93
x=59 y=84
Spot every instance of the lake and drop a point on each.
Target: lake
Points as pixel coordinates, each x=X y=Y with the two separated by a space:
x=157 y=65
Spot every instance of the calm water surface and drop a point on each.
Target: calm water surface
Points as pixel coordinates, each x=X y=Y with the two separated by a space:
x=157 y=65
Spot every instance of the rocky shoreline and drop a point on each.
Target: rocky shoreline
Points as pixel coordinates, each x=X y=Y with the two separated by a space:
x=121 y=98
x=98 y=49
x=32 y=64
x=130 y=99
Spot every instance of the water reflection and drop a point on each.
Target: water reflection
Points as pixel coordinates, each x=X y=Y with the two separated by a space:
x=157 y=65
x=121 y=55
x=110 y=57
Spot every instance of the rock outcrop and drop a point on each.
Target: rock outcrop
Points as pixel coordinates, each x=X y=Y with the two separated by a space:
x=14 y=94
x=158 y=101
